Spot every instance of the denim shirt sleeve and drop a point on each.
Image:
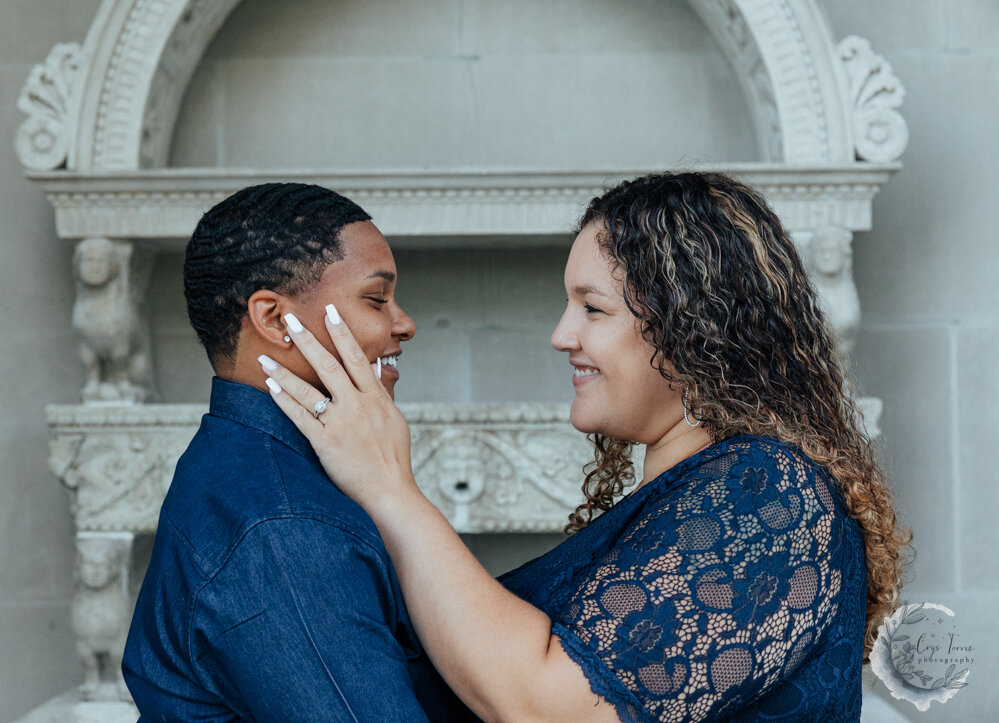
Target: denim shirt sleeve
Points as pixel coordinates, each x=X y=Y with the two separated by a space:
x=300 y=624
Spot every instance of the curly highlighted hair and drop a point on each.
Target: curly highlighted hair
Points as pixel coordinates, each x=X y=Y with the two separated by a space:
x=724 y=301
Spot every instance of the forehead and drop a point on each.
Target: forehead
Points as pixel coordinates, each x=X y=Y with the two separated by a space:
x=587 y=264
x=365 y=252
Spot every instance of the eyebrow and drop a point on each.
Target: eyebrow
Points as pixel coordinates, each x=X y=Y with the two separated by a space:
x=387 y=275
x=587 y=289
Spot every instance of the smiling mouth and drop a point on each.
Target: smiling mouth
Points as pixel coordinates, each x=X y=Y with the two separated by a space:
x=390 y=363
x=584 y=371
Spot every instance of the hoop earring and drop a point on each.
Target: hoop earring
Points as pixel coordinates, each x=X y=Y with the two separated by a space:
x=686 y=418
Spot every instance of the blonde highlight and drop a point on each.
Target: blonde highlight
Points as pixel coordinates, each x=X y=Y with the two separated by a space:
x=732 y=318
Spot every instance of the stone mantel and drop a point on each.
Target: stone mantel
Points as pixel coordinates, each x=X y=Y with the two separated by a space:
x=425 y=208
x=489 y=467
x=508 y=467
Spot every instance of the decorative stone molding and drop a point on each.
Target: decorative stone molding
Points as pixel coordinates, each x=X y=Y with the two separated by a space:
x=117 y=461
x=880 y=131
x=43 y=139
x=489 y=467
x=141 y=54
x=512 y=467
x=425 y=208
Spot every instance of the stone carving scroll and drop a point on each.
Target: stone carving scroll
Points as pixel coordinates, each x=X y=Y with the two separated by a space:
x=113 y=335
x=117 y=479
x=880 y=131
x=42 y=141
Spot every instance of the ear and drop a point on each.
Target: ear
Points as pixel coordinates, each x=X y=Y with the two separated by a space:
x=264 y=312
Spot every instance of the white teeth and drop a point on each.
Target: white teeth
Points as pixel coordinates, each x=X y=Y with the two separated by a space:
x=392 y=361
x=577 y=372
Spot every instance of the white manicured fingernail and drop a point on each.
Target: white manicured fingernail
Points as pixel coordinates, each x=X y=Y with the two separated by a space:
x=377 y=368
x=273 y=386
x=267 y=363
x=333 y=315
x=293 y=323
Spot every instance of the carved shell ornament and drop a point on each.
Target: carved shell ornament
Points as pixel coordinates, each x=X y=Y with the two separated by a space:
x=880 y=131
x=42 y=141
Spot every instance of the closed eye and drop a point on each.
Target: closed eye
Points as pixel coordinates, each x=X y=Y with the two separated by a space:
x=592 y=309
x=377 y=300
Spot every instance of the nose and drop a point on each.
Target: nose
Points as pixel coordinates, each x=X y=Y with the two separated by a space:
x=403 y=325
x=564 y=336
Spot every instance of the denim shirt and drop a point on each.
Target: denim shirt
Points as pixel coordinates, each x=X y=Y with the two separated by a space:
x=270 y=595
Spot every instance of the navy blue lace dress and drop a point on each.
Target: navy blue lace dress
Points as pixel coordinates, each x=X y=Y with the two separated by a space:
x=731 y=587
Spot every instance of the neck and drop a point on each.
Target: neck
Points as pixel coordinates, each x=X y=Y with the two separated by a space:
x=676 y=445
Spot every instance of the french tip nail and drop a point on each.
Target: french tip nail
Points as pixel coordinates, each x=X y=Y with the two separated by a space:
x=333 y=315
x=293 y=323
x=377 y=368
x=273 y=386
x=267 y=363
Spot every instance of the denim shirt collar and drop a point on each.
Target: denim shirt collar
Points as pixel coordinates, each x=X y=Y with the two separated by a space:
x=254 y=408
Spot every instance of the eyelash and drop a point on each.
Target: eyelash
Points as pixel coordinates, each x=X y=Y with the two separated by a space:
x=377 y=300
x=592 y=309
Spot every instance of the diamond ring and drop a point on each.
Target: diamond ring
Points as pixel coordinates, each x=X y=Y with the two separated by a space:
x=320 y=407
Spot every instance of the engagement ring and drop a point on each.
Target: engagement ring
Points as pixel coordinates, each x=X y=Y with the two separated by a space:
x=320 y=407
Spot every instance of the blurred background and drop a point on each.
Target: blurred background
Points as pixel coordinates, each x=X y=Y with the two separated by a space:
x=592 y=84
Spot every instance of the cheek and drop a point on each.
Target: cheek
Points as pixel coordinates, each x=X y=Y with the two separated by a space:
x=372 y=330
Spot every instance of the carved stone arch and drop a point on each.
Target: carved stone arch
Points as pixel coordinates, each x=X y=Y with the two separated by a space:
x=783 y=54
x=140 y=55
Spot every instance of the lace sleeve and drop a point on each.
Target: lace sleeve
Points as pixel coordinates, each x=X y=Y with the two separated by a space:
x=718 y=589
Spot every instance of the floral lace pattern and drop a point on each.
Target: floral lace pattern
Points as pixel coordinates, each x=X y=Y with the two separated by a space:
x=732 y=586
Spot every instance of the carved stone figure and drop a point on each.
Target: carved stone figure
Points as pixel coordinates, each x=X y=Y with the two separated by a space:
x=101 y=614
x=831 y=263
x=106 y=319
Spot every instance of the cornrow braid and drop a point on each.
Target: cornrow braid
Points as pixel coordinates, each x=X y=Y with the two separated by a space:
x=278 y=236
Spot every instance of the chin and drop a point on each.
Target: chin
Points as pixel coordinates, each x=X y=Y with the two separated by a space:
x=583 y=423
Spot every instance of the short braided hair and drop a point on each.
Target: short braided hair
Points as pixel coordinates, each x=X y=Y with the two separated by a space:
x=279 y=236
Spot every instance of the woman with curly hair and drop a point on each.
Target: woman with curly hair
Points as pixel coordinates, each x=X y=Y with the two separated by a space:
x=744 y=575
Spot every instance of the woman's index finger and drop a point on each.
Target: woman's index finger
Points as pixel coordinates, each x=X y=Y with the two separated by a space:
x=354 y=359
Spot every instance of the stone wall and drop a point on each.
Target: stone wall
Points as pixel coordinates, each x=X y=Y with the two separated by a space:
x=466 y=84
x=927 y=280
x=38 y=364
